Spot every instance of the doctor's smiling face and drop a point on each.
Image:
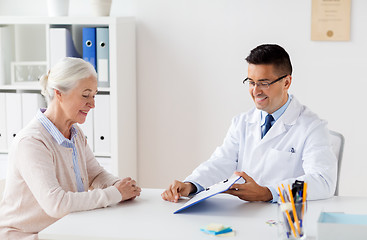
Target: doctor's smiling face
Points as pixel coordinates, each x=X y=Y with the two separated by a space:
x=272 y=98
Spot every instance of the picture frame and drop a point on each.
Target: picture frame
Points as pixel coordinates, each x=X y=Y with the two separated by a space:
x=27 y=72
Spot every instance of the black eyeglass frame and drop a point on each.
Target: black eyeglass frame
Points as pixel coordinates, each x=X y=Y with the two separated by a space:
x=266 y=84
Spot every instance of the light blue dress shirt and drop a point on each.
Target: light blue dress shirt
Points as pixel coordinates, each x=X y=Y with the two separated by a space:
x=61 y=140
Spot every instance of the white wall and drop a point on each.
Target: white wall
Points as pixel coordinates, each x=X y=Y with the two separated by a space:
x=190 y=65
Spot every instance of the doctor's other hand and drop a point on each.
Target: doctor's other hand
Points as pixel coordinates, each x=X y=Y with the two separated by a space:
x=128 y=189
x=176 y=190
x=250 y=190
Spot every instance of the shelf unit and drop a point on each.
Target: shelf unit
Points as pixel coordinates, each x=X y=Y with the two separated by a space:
x=122 y=90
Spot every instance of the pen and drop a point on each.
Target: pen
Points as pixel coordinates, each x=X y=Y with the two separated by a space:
x=298 y=203
x=287 y=213
x=294 y=210
x=285 y=194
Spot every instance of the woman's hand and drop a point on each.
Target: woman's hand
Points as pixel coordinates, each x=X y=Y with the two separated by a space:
x=128 y=189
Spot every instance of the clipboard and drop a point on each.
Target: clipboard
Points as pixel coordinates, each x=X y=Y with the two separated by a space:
x=209 y=192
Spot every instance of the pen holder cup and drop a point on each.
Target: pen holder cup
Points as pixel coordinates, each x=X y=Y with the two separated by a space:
x=291 y=225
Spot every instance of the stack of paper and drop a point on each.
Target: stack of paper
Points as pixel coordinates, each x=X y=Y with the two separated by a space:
x=218 y=230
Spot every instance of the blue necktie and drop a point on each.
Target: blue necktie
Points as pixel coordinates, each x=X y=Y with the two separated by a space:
x=268 y=119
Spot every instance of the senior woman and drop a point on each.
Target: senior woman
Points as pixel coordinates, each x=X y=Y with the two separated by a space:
x=51 y=167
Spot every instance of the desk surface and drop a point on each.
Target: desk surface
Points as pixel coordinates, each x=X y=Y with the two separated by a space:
x=149 y=217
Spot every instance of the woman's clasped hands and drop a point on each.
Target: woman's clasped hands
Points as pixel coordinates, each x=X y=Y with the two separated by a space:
x=128 y=188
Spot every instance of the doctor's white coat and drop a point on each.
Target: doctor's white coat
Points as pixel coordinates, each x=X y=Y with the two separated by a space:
x=297 y=146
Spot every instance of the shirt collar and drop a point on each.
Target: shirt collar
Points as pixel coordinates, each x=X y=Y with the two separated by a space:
x=278 y=113
x=52 y=129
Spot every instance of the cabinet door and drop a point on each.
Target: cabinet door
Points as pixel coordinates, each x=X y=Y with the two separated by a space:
x=87 y=128
x=102 y=124
x=3 y=138
x=105 y=162
x=13 y=115
x=3 y=168
x=31 y=103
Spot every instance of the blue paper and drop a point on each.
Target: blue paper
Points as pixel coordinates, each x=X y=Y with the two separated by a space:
x=225 y=230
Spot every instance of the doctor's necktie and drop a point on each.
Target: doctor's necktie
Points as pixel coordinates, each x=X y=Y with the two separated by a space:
x=268 y=119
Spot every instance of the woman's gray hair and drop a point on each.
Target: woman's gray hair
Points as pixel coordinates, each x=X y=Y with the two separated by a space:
x=64 y=76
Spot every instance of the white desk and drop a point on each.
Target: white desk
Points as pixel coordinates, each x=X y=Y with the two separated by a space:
x=149 y=217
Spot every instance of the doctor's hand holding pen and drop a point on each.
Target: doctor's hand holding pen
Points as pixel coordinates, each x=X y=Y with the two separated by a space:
x=128 y=189
x=178 y=189
x=250 y=190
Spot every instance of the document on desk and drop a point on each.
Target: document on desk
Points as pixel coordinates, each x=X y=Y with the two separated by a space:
x=210 y=192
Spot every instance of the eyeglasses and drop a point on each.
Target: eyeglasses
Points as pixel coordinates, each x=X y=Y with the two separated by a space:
x=261 y=85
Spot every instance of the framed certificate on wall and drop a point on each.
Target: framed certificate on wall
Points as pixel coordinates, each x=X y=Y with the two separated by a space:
x=330 y=20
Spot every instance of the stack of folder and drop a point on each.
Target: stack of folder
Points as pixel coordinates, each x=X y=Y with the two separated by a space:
x=96 y=51
x=61 y=44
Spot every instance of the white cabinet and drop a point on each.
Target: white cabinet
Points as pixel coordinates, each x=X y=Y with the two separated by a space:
x=26 y=41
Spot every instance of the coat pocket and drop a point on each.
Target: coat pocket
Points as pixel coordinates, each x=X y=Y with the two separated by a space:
x=280 y=165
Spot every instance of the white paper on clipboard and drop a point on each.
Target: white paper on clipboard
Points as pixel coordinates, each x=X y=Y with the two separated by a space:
x=210 y=192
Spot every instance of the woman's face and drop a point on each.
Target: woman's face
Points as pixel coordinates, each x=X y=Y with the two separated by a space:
x=79 y=101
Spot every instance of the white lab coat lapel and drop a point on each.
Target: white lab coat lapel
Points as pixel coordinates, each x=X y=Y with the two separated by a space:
x=277 y=129
x=254 y=128
x=288 y=118
x=292 y=113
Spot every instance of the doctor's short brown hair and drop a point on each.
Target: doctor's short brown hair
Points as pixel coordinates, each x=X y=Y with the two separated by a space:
x=271 y=54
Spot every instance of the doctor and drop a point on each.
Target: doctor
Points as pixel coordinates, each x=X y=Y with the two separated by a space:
x=275 y=143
